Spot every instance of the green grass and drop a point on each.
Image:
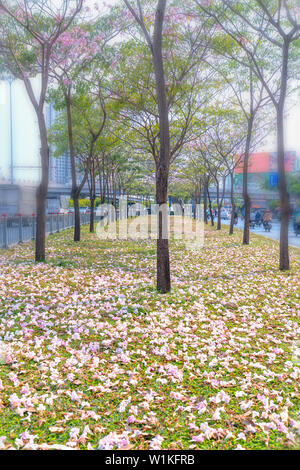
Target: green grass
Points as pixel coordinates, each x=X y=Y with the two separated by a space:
x=90 y=321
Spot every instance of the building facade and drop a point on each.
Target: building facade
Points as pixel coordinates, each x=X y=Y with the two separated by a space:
x=263 y=176
x=20 y=168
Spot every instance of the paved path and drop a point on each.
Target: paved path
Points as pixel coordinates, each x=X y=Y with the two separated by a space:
x=274 y=233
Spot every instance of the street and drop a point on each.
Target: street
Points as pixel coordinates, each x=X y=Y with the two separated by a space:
x=274 y=233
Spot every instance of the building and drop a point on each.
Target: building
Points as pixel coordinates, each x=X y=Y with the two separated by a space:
x=20 y=168
x=263 y=176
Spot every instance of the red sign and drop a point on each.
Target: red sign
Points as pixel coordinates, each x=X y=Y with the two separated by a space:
x=265 y=162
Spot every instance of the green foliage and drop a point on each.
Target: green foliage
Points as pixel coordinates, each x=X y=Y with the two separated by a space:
x=273 y=204
x=294 y=184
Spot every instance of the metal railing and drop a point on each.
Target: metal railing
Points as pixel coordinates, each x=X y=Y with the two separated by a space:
x=20 y=229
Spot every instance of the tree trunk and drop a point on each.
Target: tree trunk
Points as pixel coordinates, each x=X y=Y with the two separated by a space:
x=74 y=192
x=205 y=204
x=162 y=168
x=76 y=217
x=210 y=209
x=104 y=189
x=232 y=205
x=107 y=188
x=104 y=181
x=92 y=215
x=162 y=256
x=284 y=263
x=41 y=193
x=100 y=185
x=246 y=197
x=219 y=217
x=114 y=189
x=284 y=197
x=92 y=187
x=219 y=206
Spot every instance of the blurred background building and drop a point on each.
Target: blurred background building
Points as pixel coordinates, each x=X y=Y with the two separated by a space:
x=20 y=169
x=263 y=176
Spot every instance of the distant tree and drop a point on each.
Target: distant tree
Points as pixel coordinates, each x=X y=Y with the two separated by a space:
x=227 y=137
x=294 y=184
x=89 y=115
x=268 y=32
x=79 y=56
x=29 y=31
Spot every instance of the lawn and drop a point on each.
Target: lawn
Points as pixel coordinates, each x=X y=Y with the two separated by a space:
x=92 y=357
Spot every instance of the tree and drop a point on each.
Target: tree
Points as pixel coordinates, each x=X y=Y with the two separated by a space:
x=163 y=164
x=78 y=54
x=72 y=55
x=174 y=55
x=29 y=31
x=252 y=24
x=249 y=94
x=88 y=108
x=217 y=172
x=227 y=137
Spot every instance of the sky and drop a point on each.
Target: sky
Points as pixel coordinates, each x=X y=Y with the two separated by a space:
x=292 y=124
x=292 y=129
